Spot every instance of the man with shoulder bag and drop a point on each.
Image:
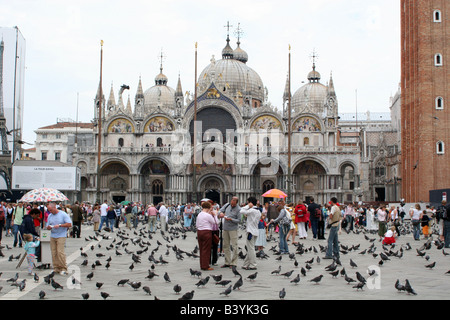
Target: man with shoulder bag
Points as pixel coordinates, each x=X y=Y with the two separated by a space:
x=333 y=241
x=231 y=213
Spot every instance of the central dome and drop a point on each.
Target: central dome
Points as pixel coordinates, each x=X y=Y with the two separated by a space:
x=235 y=76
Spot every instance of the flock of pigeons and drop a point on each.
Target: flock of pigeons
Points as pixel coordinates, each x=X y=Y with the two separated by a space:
x=154 y=252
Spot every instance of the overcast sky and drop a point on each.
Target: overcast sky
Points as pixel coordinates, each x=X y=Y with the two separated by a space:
x=357 y=41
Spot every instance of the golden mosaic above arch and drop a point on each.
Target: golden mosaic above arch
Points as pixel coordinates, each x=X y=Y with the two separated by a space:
x=121 y=126
x=306 y=124
x=159 y=124
x=266 y=123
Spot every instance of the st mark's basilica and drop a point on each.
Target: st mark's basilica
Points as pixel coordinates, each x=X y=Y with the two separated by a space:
x=148 y=154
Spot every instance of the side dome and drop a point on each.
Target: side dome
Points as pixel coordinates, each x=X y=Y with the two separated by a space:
x=312 y=96
x=160 y=94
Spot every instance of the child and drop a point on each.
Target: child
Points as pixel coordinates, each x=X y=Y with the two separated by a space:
x=425 y=222
x=260 y=242
x=30 y=248
x=389 y=236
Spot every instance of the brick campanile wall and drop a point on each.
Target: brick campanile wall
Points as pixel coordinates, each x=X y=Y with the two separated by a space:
x=423 y=125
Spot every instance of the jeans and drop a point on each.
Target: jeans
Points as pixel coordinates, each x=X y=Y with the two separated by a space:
x=333 y=243
x=284 y=229
x=111 y=223
x=314 y=227
x=103 y=219
x=416 y=231
x=15 y=229
x=349 y=219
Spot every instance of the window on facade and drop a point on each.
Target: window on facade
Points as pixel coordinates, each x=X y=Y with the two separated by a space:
x=438 y=60
x=58 y=136
x=380 y=169
x=440 y=149
x=306 y=141
x=267 y=185
x=437 y=16
x=57 y=156
x=159 y=142
x=157 y=187
x=120 y=142
x=44 y=156
x=439 y=103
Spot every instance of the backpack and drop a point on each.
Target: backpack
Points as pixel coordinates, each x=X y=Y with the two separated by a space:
x=2 y=214
x=300 y=211
x=318 y=213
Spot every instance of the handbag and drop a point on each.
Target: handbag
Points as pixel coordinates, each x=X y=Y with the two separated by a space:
x=216 y=238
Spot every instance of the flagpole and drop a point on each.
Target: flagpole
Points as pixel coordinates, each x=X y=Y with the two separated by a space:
x=99 y=137
x=289 y=128
x=195 y=131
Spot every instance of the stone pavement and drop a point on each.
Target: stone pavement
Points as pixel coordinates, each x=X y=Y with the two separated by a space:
x=428 y=283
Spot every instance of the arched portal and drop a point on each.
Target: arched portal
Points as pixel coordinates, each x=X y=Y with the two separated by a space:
x=115 y=177
x=154 y=181
x=309 y=178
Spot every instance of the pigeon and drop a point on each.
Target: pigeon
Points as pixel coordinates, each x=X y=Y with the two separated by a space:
x=408 y=288
x=287 y=274
x=99 y=284
x=85 y=296
x=420 y=253
x=147 y=290
x=334 y=274
x=177 y=289
x=235 y=272
x=431 y=265
x=227 y=291
x=252 y=277
x=348 y=279
x=166 y=277
x=36 y=277
x=104 y=295
x=360 y=277
x=282 y=293
x=399 y=286
x=217 y=278
x=122 y=282
x=90 y=276
x=223 y=283
x=238 y=284
x=135 y=285
x=55 y=284
x=41 y=294
x=359 y=286
x=187 y=296
x=303 y=271
x=316 y=279
x=353 y=264
x=13 y=279
x=202 y=282
x=277 y=271
x=296 y=280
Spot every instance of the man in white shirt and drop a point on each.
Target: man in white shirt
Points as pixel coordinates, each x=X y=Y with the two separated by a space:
x=253 y=216
x=103 y=213
x=163 y=214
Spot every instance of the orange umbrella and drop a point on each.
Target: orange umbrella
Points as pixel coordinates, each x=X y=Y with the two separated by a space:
x=274 y=193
